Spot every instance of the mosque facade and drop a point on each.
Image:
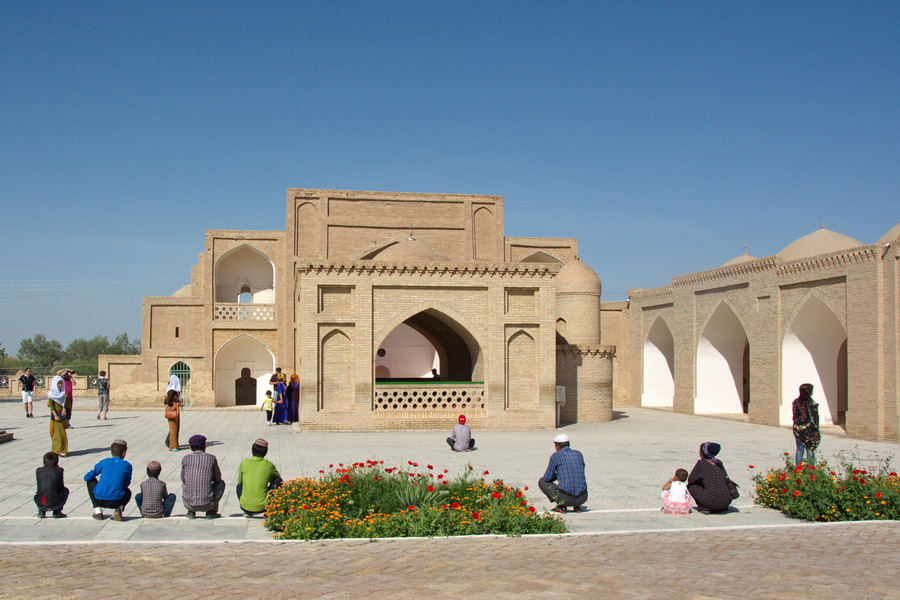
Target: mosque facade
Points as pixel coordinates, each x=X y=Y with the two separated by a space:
x=396 y=310
x=369 y=296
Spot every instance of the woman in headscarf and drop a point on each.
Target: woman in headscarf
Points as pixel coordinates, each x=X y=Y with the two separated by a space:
x=706 y=483
x=57 y=403
x=293 y=393
x=173 y=394
x=806 y=425
x=280 y=417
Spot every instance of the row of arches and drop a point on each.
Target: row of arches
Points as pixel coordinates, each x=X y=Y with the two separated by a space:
x=813 y=350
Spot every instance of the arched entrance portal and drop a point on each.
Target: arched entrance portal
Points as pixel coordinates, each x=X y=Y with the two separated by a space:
x=245 y=275
x=240 y=360
x=723 y=373
x=812 y=353
x=659 y=366
x=425 y=341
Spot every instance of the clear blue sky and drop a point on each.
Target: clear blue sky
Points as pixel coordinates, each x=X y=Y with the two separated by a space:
x=662 y=135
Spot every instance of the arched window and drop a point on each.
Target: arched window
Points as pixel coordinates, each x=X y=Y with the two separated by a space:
x=183 y=371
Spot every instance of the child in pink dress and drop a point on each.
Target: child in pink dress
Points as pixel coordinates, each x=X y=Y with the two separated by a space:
x=675 y=497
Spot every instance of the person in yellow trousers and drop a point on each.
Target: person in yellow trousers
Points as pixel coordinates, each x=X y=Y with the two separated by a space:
x=57 y=403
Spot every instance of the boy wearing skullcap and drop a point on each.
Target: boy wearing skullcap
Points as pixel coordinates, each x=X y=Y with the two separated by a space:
x=256 y=476
x=154 y=500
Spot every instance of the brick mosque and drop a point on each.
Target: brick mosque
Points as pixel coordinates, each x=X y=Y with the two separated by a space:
x=367 y=295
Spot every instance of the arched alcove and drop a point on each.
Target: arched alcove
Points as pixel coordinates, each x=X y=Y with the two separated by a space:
x=406 y=354
x=659 y=366
x=521 y=372
x=483 y=233
x=458 y=353
x=336 y=371
x=245 y=270
x=721 y=374
x=811 y=353
x=561 y=331
x=243 y=352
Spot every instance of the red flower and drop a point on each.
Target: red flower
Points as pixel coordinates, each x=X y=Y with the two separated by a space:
x=892 y=474
x=833 y=474
x=799 y=482
x=810 y=467
x=321 y=471
x=878 y=494
x=531 y=509
x=430 y=488
x=784 y=491
x=812 y=477
x=796 y=493
x=411 y=507
x=443 y=483
x=862 y=482
x=441 y=476
x=443 y=507
x=455 y=505
x=445 y=470
x=486 y=473
x=750 y=467
x=470 y=467
x=329 y=466
x=340 y=464
x=350 y=483
x=523 y=502
x=497 y=495
x=781 y=478
x=412 y=474
x=429 y=466
x=476 y=516
x=409 y=462
x=376 y=478
x=798 y=468
x=856 y=471
x=525 y=488
x=519 y=494
x=786 y=454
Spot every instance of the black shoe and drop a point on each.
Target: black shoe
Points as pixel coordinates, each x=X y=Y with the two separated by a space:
x=191 y=514
x=41 y=514
x=212 y=515
x=59 y=515
x=248 y=515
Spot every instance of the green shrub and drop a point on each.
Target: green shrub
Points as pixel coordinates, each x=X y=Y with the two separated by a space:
x=369 y=500
x=860 y=490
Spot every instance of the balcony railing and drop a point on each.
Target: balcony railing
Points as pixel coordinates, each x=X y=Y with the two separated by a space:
x=233 y=311
x=431 y=400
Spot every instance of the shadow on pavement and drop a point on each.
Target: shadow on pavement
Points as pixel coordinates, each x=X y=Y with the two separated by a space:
x=88 y=451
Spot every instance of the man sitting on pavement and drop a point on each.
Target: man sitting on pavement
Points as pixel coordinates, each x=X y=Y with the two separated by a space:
x=256 y=476
x=460 y=439
x=203 y=485
x=111 y=490
x=567 y=467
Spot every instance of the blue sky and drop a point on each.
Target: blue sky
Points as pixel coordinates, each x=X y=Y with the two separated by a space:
x=664 y=136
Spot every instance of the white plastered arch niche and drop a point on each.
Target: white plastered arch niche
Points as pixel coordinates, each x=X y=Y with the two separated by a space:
x=722 y=373
x=245 y=275
x=235 y=355
x=659 y=366
x=814 y=351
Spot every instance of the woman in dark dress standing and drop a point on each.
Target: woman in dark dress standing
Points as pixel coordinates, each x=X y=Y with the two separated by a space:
x=293 y=394
x=706 y=483
x=806 y=425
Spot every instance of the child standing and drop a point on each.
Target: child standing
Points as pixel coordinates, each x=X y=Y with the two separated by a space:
x=675 y=497
x=51 y=492
x=268 y=405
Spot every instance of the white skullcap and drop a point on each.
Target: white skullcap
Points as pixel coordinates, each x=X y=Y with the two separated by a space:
x=561 y=438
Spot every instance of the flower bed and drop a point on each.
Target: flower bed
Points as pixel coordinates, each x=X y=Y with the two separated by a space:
x=369 y=500
x=818 y=493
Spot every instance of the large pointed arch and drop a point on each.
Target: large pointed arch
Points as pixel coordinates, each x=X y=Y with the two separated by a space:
x=235 y=355
x=658 y=365
x=541 y=257
x=439 y=323
x=722 y=374
x=244 y=268
x=813 y=351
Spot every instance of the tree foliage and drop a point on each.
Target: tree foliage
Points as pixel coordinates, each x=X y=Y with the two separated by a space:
x=48 y=356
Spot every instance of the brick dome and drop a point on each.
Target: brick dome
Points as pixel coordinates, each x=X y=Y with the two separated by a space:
x=821 y=241
x=892 y=235
x=743 y=258
x=575 y=276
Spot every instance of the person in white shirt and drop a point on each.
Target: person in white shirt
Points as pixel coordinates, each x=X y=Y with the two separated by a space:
x=675 y=497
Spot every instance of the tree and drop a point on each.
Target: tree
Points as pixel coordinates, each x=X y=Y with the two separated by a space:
x=2 y=352
x=122 y=345
x=44 y=354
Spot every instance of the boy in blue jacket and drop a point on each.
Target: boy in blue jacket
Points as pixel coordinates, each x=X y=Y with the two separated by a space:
x=111 y=489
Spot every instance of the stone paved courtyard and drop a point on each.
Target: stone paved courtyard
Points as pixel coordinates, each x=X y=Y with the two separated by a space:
x=622 y=547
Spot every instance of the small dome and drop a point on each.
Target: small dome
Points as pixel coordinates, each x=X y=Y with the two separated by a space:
x=892 y=235
x=184 y=291
x=410 y=249
x=743 y=258
x=575 y=276
x=820 y=241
